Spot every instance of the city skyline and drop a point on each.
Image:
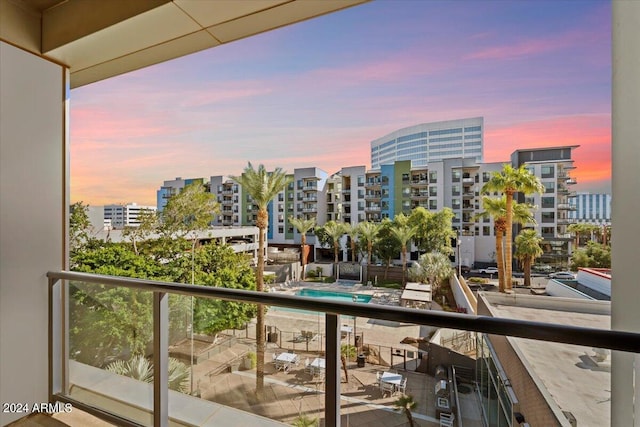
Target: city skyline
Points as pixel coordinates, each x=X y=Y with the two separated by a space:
x=318 y=92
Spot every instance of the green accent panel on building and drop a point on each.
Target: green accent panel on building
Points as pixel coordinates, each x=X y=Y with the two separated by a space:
x=400 y=168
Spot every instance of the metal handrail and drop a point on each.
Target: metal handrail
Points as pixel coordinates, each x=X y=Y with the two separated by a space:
x=601 y=338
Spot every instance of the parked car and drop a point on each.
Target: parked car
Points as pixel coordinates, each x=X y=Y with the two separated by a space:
x=562 y=275
x=488 y=270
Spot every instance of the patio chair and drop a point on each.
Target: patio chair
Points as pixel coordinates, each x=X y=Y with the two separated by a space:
x=387 y=387
x=402 y=388
x=446 y=419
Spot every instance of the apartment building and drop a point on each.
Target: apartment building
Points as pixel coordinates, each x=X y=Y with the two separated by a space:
x=171 y=188
x=120 y=216
x=553 y=166
x=592 y=208
x=229 y=196
x=429 y=142
x=345 y=195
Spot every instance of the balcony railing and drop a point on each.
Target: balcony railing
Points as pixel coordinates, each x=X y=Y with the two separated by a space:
x=60 y=363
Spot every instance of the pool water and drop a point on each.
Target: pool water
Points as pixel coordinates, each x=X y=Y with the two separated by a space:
x=328 y=295
x=335 y=296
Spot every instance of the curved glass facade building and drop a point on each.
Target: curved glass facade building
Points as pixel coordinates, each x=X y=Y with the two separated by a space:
x=430 y=142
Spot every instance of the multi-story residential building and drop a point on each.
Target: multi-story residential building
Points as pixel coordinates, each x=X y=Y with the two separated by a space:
x=171 y=188
x=456 y=183
x=553 y=166
x=229 y=196
x=594 y=208
x=120 y=216
x=345 y=195
x=304 y=197
x=430 y=142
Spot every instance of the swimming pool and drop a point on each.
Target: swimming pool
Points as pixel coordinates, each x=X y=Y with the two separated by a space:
x=332 y=295
x=327 y=295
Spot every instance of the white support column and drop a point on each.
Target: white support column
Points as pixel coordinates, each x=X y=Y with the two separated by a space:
x=33 y=206
x=626 y=205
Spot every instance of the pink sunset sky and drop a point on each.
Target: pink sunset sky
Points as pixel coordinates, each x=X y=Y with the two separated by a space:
x=318 y=92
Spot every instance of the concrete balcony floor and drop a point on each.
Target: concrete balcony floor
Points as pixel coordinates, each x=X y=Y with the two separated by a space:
x=75 y=418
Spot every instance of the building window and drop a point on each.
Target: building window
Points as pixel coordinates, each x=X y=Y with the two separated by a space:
x=360 y=180
x=455 y=190
x=486 y=230
x=548 y=217
x=455 y=204
x=433 y=191
x=455 y=176
x=486 y=176
x=280 y=229
x=548 y=202
x=547 y=171
x=433 y=177
x=433 y=205
x=549 y=186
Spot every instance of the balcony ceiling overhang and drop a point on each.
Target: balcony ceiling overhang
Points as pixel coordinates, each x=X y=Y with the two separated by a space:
x=98 y=39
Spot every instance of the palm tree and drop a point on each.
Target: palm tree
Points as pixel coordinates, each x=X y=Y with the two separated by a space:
x=352 y=232
x=497 y=208
x=403 y=234
x=335 y=230
x=367 y=233
x=510 y=181
x=433 y=268
x=303 y=226
x=262 y=186
x=406 y=404
x=527 y=250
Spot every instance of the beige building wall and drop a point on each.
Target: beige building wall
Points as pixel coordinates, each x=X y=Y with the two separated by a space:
x=32 y=216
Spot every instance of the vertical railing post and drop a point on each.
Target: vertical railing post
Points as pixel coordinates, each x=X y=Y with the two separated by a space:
x=161 y=359
x=332 y=387
x=55 y=338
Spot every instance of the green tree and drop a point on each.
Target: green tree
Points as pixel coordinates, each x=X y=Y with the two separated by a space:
x=528 y=250
x=510 y=181
x=387 y=246
x=333 y=232
x=107 y=322
x=352 y=232
x=79 y=228
x=406 y=404
x=303 y=226
x=403 y=233
x=594 y=255
x=148 y=223
x=433 y=268
x=262 y=186
x=434 y=230
x=497 y=209
x=585 y=230
x=368 y=233
x=219 y=266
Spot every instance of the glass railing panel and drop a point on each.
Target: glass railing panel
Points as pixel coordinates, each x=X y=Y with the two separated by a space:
x=110 y=363
x=222 y=360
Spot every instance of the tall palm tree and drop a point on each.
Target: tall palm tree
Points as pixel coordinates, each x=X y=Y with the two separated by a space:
x=406 y=404
x=262 y=186
x=403 y=234
x=303 y=226
x=510 y=181
x=527 y=250
x=497 y=208
x=367 y=233
x=352 y=232
x=335 y=230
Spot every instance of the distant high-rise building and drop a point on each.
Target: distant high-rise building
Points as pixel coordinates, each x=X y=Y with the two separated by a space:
x=120 y=216
x=430 y=142
x=592 y=208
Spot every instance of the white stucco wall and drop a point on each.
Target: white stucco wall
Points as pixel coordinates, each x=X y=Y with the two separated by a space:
x=32 y=182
